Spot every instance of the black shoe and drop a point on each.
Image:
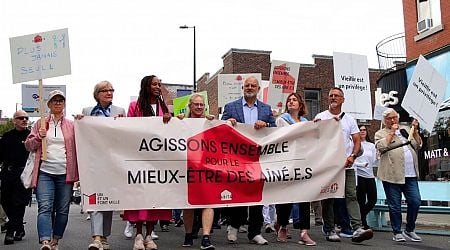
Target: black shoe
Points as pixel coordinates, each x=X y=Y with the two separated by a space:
x=206 y=243
x=9 y=239
x=165 y=228
x=188 y=241
x=19 y=235
x=179 y=223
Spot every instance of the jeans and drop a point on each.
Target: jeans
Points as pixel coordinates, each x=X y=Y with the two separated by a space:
x=53 y=196
x=394 y=200
x=101 y=222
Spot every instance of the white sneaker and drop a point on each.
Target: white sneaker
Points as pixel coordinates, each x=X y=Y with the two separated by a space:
x=154 y=236
x=243 y=229
x=232 y=234
x=412 y=236
x=128 y=232
x=139 y=243
x=259 y=240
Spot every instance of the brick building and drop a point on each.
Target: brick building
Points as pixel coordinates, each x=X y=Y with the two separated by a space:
x=315 y=80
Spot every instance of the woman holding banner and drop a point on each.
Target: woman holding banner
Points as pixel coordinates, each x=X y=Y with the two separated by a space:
x=196 y=109
x=54 y=176
x=295 y=110
x=399 y=172
x=101 y=221
x=149 y=103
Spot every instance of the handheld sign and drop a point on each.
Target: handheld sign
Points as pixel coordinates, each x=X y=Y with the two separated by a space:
x=39 y=56
x=424 y=94
x=230 y=86
x=283 y=81
x=351 y=74
x=31 y=97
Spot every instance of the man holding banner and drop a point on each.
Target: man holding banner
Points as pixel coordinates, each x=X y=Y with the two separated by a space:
x=248 y=110
x=352 y=142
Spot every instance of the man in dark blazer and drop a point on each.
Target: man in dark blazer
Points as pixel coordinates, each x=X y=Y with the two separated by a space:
x=248 y=110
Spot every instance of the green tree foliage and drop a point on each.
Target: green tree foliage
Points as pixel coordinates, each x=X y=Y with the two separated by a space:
x=6 y=127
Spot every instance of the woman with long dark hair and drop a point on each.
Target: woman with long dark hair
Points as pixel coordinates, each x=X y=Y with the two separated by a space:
x=149 y=103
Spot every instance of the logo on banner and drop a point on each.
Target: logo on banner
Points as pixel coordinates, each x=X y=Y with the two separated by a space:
x=223 y=169
x=333 y=188
x=100 y=199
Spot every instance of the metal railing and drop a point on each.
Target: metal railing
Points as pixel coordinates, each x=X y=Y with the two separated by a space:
x=391 y=51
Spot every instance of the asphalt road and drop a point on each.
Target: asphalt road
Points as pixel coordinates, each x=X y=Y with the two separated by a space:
x=77 y=236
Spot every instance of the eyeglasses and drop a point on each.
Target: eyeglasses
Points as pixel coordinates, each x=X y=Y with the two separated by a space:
x=333 y=95
x=57 y=101
x=22 y=118
x=107 y=90
x=200 y=105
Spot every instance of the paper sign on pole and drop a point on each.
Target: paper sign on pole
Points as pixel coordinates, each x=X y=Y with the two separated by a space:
x=30 y=97
x=424 y=94
x=180 y=104
x=229 y=86
x=283 y=81
x=351 y=74
x=39 y=56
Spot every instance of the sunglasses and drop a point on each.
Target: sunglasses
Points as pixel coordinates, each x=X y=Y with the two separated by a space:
x=22 y=118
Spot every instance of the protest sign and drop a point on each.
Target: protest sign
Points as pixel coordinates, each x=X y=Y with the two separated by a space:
x=199 y=163
x=229 y=86
x=39 y=56
x=351 y=74
x=30 y=97
x=424 y=94
x=283 y=81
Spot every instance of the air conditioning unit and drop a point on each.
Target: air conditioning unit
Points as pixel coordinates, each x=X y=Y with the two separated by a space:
x=424 y=25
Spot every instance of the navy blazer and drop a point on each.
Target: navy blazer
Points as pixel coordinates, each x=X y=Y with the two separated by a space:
x=235 y=110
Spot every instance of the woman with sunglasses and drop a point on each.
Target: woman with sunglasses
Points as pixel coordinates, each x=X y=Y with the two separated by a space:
x=54 y=176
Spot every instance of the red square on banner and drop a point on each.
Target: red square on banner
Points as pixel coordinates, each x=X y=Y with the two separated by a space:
x=223 y=171
x=92 y=199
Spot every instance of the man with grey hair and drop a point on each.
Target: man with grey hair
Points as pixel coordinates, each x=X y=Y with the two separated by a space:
x=14 y=196
x=352 y=142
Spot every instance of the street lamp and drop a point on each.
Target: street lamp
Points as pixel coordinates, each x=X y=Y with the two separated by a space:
x=195 y=78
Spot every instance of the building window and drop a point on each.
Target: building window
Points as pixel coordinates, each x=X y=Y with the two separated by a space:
x=312 y=98
x=428 y=14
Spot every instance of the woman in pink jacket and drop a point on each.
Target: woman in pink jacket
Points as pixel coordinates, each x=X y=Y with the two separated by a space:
x=53 y=177
x=149 y=103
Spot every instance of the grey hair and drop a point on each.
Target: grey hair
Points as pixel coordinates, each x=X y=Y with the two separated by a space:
x=387 y=112
x=195 y=95
x=99 y=86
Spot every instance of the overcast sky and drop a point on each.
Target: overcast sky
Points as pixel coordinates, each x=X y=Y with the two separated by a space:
x=122 y=41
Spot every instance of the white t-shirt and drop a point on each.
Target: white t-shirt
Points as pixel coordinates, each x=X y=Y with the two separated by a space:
x=349 y=127
x=56 y=150
x=364 y=164
x=409 y=160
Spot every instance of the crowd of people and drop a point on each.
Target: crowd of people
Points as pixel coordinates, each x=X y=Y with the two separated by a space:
x=55 y=172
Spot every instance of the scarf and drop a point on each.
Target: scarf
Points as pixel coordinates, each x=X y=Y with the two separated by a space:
x=98 y=110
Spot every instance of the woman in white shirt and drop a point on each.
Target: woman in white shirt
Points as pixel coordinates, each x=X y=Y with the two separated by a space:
x=366 y=190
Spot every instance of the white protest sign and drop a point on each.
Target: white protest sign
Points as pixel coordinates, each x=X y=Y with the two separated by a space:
x=283 y=81
x=424 y=94
x=229 y=86
x=39 y=56
x=351 y=74
x=30 y=97
x=195 y=163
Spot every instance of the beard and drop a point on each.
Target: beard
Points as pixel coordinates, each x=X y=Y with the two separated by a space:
x=249 y=95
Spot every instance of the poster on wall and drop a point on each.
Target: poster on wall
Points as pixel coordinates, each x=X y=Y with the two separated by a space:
x=30 y=97
x=39 y=56
x=229 y=86
x=351 y=74
x=425 y=94
x=283 y=81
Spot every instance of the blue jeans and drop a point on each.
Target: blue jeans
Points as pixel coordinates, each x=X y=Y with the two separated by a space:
x=53 y=197
x=394 y=200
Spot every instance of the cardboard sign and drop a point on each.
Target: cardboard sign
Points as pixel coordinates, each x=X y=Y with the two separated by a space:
x=351 y=74
x=39 y=56
x=424 y=94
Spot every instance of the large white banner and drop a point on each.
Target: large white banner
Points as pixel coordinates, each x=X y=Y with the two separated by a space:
x=283 y=81
x=137 y=163
x=424 y=94
x=351 y=74
x=229 y=86
x=30 y=97
x=39 y=56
